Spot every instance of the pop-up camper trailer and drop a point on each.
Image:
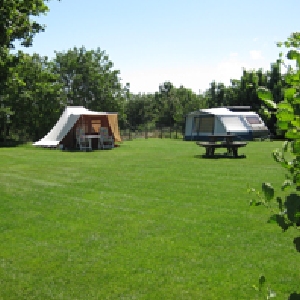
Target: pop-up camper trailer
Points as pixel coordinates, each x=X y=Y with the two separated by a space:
x=246 y=125
x=64 y=131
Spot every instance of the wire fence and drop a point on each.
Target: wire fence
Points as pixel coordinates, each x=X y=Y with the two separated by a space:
x=162 y=132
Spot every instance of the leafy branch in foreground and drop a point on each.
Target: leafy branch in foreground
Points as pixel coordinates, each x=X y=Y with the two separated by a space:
x=286 y=206
x=288 y=119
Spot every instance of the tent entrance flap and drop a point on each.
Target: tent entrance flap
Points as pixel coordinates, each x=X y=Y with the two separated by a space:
x=113 y=123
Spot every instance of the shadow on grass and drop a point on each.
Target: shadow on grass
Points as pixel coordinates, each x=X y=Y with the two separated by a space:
x=294 y=296
x=11 y=144
x=220 y=156
x=75 y=150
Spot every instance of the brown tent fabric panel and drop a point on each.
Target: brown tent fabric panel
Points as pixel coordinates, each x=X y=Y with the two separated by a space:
x=113 y=124
x=110 y=121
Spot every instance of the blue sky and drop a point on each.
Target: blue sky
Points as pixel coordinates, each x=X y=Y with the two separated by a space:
x=187 y=42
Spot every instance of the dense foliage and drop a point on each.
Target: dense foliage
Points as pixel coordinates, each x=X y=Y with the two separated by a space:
x=288 y=116
x=16 y=24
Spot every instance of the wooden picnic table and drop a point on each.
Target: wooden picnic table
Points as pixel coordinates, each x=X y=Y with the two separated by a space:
x=221 y=141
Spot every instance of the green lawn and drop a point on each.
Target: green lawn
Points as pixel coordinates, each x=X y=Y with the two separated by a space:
x=151 y=219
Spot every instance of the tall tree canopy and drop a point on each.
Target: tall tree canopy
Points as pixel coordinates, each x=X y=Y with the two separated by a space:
x=35 y=89
x=88 y=79
x=16 y=24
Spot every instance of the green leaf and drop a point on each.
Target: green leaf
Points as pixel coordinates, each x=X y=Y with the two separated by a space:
x=273 y=219
x=286 y=184
x=284 y=105
x=297 y=243
x=289 y=93
x=292 y=54
x=266 y=96
x=270 y=103
x=285 y=115
x=264 y=93
x=296 y=122
x=277 y=156
x=279 y=201
x=292 y=78
x=268 y=191
x=255 y=203
x=292 y=205
x=284 y=125
x=281 y=222
x=285 y=146
x=296 y=147
x=292 y=134
x=297 y=178
x=297 y=96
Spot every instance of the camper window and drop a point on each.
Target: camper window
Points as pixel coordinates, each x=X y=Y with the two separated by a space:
x=203 y=124
x=253 y=120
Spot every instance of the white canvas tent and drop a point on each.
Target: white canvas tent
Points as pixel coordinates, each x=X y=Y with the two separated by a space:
x=70 y=117
x=246 y=125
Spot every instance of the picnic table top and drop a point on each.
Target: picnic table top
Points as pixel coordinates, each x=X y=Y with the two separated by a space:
x=221 y=144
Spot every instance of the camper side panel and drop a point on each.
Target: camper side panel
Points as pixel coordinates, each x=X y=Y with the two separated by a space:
x=219 y=126
x=188 y=127
x=199 y=126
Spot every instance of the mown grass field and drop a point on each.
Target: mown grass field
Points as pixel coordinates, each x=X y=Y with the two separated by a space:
x=151 y=219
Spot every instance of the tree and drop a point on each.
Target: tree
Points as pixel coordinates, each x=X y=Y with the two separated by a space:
x=16 y=24
x=168 y=105
x=189 y=101
x=88 y=79
x=33 y=88
x=140 y=110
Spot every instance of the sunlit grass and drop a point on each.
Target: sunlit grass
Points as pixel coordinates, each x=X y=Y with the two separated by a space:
x=151 y=219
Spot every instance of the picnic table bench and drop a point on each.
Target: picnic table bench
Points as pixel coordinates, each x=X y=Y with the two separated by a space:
x=227 y=143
